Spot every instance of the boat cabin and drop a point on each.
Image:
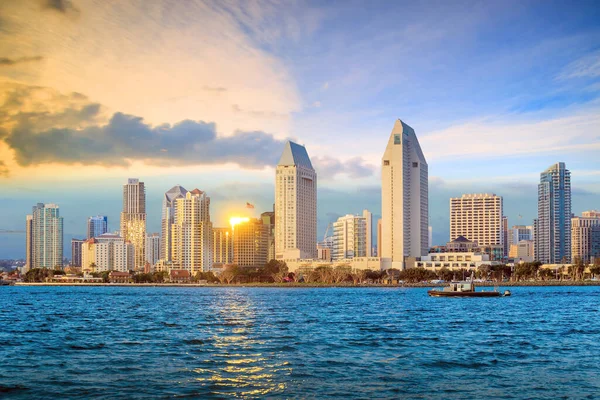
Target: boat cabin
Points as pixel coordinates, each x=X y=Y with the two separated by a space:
x=460 y=287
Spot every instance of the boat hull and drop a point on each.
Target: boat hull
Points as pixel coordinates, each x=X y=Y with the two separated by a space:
x=439 y=293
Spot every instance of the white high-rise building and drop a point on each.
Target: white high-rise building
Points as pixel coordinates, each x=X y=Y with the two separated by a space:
x=295 y=205
x=133 y=219
x=553 y=224
x=477 y=217
x=349 y=237
x=192 y=233
x=585 y=237
x=28 y=242
x=368 y=216
x=46 y=237
x=107 y=252
x=168 y=218
x=152 y=248
x=404 y=198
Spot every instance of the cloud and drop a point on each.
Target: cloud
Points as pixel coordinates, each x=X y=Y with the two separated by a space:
x=4 y=61
x=214 y=89
x=585 y=67
x=261 y=114
x=61 y=6
x=328 y=167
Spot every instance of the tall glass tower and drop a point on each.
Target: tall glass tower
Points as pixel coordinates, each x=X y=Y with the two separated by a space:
x=553 y=225
x=97 y=226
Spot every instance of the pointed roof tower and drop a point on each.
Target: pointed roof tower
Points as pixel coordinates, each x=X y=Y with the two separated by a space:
x=294 y=154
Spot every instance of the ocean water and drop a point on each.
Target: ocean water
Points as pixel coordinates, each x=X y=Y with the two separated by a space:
x=115 y=342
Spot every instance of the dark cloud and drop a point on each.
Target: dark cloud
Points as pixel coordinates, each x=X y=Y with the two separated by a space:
x=61 y=6
x=328 y=167
x=7 y=62
x=126 y=137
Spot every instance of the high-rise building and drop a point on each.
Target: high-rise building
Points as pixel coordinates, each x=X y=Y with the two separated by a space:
x=295 y=205
x=168 y=218
x=133 y=219
x=251 y=243
x=152 y=248
x=349 y=237
x=368 y=216
x=477 y=217
x=47 y=236
x=97 y=226
x=76 y=252
x=107 y=252
x=28 y=242
x=222 y=246
x=585 y=237
x=404 y=198
x=192 y=233
x=268 y=219
x=505 y=235
x=553 y=227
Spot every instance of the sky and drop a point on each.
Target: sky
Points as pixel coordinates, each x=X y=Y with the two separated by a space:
x=205 y=94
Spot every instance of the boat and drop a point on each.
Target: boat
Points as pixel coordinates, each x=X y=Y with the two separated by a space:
x=465 y=289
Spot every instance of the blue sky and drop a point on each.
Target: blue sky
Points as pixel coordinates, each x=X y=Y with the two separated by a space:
x=94 y=93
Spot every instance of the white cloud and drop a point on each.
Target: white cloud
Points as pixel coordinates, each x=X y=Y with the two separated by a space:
x=585 y=67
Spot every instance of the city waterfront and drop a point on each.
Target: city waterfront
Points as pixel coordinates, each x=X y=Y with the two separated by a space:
x=145 y=342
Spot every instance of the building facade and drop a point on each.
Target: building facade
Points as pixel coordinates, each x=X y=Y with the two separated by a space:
x=522 y=251
x=192 y=233
x=76 y=245
x=553 y=224
x=520 y=232
x=251 y=243
x=295 y=205
x=585 y=237
x=349 y=237
x=152 y=249
x=222 y=246
x=46 y=236
x=28 y=242
x=477 y=217
x=168 y=218
x=268 y=219
x=133 y=219
x=107 y=252
x=404 y=198
x=97 y=226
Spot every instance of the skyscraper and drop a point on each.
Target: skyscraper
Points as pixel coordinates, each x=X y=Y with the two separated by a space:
x=168 y=218
x=97 y=226
x=295 y=205
x=251 y=243
x=47 y=236
x=133 y=219
x=404 y=198
x=478 y=217
x=28 y=242
x=553 y=227
x=368 y=216
x=505 y=235
x=76 y=245
x=192 y=233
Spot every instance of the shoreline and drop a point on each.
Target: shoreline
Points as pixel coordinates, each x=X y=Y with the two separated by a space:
x=310 y=285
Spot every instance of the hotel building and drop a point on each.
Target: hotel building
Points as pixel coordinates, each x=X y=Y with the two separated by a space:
x=46 y=236
x=167 y=220
x=404 y=198
x=585 y=237
x=251 y=243
x=477 y=217
x=295 y=205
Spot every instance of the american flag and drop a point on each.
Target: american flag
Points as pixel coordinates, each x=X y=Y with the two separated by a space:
x=248 y=205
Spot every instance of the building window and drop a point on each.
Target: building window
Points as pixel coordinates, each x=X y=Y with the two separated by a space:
x=415 y=164
x=396 y=139
x=386 y=162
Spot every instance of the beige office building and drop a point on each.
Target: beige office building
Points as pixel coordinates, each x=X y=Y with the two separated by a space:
x=192 y=233
x=251 y=243
x=404 y=198
x=477 y=217
x=585 y=237
x=295 y=205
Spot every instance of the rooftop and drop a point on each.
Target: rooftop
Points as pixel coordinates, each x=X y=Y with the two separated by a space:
x=295 y=155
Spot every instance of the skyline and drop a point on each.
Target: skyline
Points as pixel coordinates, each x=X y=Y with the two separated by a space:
x=493 y=107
